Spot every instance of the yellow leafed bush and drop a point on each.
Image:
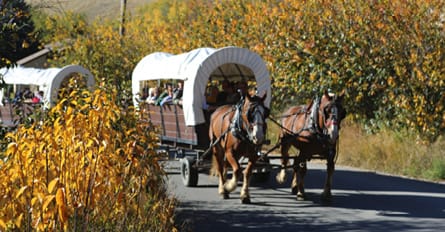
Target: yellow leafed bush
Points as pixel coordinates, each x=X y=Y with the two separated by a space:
x=88 y=167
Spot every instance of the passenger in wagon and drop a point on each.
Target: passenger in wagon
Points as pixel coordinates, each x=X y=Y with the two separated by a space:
x=38 y=97
x=212 y=95
x=226 y=95
x=153 y=94
x=177 y=93
x=144 y=95
x=28 y=95
x=241 y=90
x=166 y=96
x=18 y=97
x=243 y=87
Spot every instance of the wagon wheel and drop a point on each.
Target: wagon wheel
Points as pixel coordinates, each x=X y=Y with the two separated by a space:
x=189 y=172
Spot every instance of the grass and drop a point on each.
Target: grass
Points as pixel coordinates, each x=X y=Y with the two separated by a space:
x=93 y=9
x=393 y=152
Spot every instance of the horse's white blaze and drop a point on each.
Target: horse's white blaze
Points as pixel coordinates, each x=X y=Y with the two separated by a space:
x=257 y=130
x=333 y=125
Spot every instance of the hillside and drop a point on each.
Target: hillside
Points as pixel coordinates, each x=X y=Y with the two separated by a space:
x=93 y=9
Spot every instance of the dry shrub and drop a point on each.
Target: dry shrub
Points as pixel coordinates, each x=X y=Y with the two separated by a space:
x=397 y=152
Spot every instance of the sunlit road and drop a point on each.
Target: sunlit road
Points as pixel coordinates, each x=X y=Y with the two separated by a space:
x=363 y=201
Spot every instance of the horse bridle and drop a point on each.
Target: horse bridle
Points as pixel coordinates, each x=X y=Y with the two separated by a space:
x=334 y=115
x=254 y=110
x=248 y=117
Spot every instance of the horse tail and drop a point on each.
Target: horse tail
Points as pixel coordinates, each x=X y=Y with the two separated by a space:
x=214 y=167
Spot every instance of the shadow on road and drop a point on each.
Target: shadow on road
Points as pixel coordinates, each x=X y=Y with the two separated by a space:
x=397 y=203
x=260 y=219
x=390 y=195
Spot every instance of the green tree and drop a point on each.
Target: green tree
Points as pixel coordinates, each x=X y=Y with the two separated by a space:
x=17 y=38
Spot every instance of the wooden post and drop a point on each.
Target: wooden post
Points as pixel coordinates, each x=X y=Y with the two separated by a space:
x=123 y=8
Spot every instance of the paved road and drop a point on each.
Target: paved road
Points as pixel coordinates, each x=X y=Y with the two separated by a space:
x=363 y=201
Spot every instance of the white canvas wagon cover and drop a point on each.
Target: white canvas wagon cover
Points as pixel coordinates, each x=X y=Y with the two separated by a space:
x=195 y=68
x=48 y=80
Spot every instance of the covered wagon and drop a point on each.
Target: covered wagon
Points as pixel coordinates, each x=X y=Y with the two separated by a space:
x=47 y=81
x=186 y=123
x=184 y=127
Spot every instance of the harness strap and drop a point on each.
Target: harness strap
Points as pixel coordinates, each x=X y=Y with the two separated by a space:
x=235 y=125
x=310 y=126
x=207 y=152
x=313 y=125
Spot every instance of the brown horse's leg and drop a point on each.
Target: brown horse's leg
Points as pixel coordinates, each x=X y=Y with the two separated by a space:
x=294 y=184
x=281 y=175
x=301 y=174
x=300 y=169
x=221 y=172
x=230 y=185
x=245 y=196
x=225 y=171
x=327 y=195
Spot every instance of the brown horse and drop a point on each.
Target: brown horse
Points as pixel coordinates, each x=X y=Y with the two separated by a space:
x=313 y=129
x=235 y=132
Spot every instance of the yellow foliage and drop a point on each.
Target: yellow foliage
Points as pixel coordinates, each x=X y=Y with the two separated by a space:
x=77 y=163
x=61 y=208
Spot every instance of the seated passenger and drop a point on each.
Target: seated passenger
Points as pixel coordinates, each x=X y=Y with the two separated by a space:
x=226 y=95
x=144 y=95
x=177 y=93
x=211 y=98
x=166 y=96
x=241 y=90
x=152 y=95
x=18 y=97
x=212 y=95
x=38 y=97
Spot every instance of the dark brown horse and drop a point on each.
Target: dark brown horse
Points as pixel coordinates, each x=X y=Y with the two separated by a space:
x=235 y=132
x=313 y=129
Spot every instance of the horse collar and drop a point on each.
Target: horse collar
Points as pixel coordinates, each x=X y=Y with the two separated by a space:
x=237 y=123
x=313 y=126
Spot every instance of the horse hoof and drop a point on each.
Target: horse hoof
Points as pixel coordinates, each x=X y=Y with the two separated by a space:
x=225 y=196
x=245 y=200
x=301 y=197
x=326 y=197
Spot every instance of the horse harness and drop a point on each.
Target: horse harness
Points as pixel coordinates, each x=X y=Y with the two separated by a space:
x=311 y=125
x=237 y=123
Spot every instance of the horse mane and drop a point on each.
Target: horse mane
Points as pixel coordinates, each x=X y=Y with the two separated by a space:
x=309 y=105
x=260 y=99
